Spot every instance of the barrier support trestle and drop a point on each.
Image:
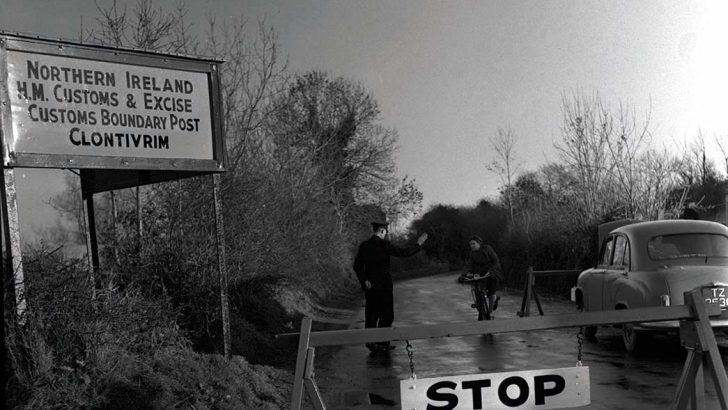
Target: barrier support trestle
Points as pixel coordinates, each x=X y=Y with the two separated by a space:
x=698 y=338
x=529 y=290
x=303 y=378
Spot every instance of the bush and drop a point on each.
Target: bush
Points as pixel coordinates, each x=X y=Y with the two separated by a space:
x=117 y=349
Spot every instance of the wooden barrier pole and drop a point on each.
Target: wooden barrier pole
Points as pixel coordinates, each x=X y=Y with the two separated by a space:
x=472 y=328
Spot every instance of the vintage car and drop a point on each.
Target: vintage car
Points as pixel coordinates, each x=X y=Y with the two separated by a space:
x=647 y=264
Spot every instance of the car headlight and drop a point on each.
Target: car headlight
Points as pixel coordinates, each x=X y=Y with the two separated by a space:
x=664 y=300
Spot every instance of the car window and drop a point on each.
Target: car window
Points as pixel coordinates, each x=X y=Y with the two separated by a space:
x=687 y=246
x=606 y=255
x=621 y=252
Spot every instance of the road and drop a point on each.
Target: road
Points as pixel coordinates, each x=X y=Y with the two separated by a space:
x=349 y=378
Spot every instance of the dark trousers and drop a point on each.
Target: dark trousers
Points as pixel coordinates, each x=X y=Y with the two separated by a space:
x=379 y=309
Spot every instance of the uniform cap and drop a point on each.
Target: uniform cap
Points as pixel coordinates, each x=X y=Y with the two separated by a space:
x=380 y=224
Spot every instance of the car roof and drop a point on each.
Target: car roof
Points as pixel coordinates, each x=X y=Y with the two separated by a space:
x=639 y=233
x=671 y=226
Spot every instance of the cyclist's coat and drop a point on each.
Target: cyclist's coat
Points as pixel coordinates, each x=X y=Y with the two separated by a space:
x=484 y=260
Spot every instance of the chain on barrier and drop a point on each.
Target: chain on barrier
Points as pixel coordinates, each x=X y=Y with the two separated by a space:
x=580 y=345
x=410 y=354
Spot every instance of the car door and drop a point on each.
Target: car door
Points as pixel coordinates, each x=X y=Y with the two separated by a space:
x=616 y=269
x=593 y=286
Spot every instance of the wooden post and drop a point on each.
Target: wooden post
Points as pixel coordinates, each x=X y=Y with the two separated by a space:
x=301 y=359
x=698 y=400
x=530 y=293
x=709 y=346
x=698 y=337
x=11 y=225
x=92 y=245
x=687 y=386
x=526 y=301
x=313 y=392
x=535 y=296
x=222 y=265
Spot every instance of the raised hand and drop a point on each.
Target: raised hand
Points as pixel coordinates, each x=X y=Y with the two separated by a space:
x=422 y=239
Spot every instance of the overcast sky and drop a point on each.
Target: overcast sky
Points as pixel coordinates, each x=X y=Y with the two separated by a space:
x=448 y=74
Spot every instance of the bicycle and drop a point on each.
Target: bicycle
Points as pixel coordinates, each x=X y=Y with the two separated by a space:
x=479 y=291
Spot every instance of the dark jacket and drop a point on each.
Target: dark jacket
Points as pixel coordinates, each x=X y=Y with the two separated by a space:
x=372 y=261
x=484 y=260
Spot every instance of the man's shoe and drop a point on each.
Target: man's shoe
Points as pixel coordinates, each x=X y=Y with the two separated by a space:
x=381 y=400
x=381 y=347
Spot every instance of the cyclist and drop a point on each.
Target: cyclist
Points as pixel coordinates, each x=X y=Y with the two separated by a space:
x=482 y=260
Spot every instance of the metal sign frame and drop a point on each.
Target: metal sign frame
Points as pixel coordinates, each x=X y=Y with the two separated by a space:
x=106 y=171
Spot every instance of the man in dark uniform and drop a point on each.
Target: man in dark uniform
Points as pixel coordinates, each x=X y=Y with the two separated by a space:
x=372 y=269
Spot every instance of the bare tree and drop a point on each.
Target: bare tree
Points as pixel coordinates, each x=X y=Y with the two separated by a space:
x=147 y=28
x=723 y=152
x=625 y=146
x=252 y=78
x=330 y=128
x=586 y=132
x=657 y=178
x=696 y=167
x=401 y=201
x=506 y=164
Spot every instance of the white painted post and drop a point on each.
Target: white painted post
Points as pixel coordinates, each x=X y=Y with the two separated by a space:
x=12 y=228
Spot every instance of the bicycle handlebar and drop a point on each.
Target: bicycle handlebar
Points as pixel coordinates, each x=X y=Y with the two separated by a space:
x=476 y=277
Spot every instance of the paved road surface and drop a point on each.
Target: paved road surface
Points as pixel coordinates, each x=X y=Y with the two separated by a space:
x=349 y=378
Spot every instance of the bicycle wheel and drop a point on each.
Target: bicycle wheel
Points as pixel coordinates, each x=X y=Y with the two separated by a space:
x=486 y=308
x=483 y=312
x=476 y=301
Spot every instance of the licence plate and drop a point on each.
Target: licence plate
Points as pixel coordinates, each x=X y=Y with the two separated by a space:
x=718 y=294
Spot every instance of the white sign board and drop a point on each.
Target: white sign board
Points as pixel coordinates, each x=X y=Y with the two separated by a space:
x=533 y=389
x=73 y=106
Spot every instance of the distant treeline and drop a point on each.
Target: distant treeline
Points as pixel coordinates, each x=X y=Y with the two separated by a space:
x=606 y=170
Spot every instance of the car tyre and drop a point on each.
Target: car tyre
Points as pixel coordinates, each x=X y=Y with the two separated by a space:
x=632 y=339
